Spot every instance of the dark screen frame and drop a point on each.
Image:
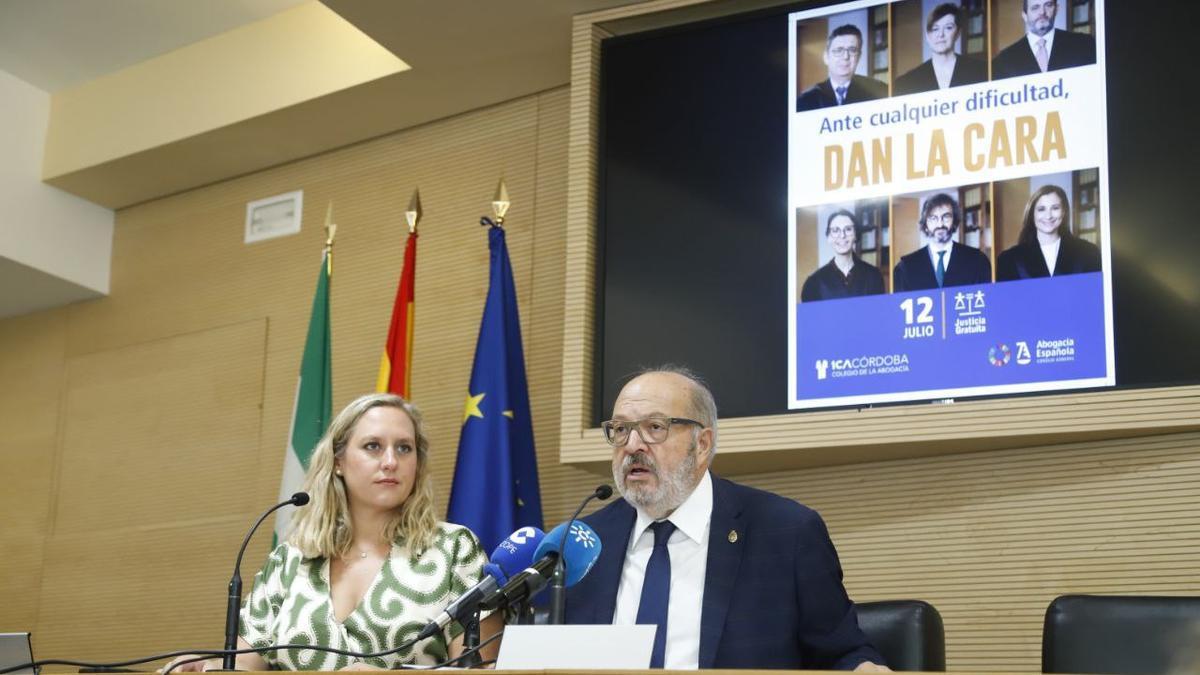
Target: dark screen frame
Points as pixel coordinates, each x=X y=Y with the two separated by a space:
x=691 y=268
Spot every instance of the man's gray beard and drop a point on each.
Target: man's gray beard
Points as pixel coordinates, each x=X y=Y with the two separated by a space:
x=673 y=490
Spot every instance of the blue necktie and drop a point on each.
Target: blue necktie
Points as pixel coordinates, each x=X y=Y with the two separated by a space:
x=656 y=590
x=941 y=268
x=841 y=94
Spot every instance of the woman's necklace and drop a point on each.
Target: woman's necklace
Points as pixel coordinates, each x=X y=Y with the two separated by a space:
x=363 y=553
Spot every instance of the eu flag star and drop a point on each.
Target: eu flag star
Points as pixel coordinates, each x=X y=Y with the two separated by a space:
x=471 y=408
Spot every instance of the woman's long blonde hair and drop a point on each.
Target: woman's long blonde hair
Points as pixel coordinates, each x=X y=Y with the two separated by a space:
x=323 y=528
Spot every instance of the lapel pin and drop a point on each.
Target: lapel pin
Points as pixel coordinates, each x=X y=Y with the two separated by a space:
x=733 y=536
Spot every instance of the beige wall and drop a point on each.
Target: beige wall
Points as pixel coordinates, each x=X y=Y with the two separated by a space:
x=145 y=431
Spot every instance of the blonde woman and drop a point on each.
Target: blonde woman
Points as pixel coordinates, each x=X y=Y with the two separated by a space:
x=365 y=565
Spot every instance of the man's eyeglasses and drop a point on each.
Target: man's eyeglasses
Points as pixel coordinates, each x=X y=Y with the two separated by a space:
x=944 y=218
x=843 y=52
x=651 y=429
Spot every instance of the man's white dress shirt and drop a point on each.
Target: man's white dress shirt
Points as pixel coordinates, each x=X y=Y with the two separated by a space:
x=688 y=549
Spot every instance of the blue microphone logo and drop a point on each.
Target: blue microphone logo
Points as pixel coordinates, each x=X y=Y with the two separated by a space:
x=523 y=535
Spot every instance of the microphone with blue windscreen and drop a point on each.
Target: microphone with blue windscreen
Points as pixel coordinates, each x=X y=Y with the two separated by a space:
x=514 y=554
x=580 y=550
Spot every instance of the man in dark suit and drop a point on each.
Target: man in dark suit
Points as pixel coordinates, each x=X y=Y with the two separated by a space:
x=842 y=51
x=943 y=261
x=1043 y=47
x=732 y=576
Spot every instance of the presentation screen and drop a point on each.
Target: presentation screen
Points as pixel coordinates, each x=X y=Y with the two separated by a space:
x=948 y=201
x=783 y=238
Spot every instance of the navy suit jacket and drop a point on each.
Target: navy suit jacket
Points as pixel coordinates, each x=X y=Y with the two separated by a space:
x=1025 y=261
x=967 y=266
x=821 y=95
x=1070 y=50
x=772 y=599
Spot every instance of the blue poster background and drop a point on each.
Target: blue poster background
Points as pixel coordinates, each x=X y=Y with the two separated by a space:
x=978 y=338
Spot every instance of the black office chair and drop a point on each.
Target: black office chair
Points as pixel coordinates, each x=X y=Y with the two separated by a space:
x=1130 y=635
x=908 y=633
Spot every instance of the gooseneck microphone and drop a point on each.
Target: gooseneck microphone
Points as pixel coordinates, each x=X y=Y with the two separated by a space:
x=558 y=586
x=233 y=607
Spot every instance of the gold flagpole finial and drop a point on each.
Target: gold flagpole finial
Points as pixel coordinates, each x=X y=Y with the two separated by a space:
x=500 y=202
x=330 y=227
x=413 y=215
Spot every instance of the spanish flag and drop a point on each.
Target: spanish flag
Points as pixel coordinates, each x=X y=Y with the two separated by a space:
x=395 y=367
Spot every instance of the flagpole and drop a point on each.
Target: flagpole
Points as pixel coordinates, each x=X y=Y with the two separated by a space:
x=500 y=204
x=395 y=362
x=330 y=232
x=412 y=215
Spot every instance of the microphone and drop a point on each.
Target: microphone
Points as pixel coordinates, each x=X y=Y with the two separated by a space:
x=558 y=591
x=580 y=549
x=511 y=556
x=233 y=606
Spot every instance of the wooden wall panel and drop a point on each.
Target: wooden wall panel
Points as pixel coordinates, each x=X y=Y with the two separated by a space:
x=990 y=539
x=162 y=432
x=31 y=373
x=112 y=594
x=22 y=555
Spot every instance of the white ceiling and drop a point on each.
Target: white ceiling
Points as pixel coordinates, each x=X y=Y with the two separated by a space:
x=53 y=44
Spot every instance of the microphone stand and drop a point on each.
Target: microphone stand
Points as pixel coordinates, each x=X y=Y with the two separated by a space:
x=233 y=605
x=471 y=657
x=558 y=583
x=558 y=592
x=523 y=612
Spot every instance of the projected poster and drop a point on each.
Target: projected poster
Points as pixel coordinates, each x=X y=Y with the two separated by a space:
x=947 y=201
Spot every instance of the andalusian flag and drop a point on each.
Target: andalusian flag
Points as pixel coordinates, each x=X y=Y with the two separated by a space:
x=313 y=408
x=395 y=367
x=495 y=489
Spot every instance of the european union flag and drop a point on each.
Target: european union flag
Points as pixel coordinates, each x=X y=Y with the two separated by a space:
x=495 y=488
